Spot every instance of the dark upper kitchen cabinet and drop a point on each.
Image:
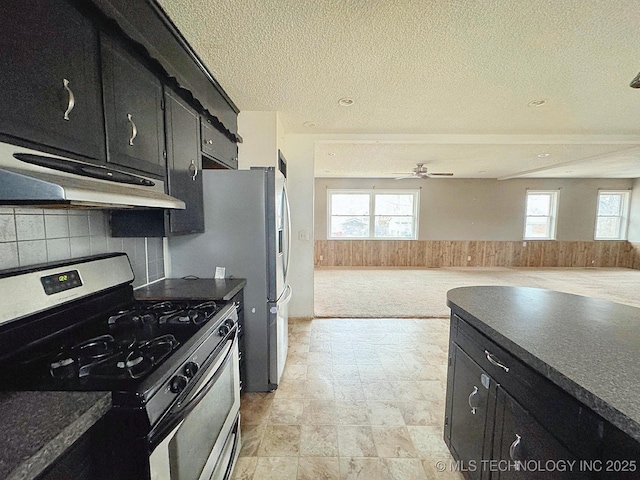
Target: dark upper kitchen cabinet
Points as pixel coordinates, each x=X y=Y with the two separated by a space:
x=133 y=110
x=184 y=165
x=147 y=24
x=50 y=90
x=218 y=147
x=184 y=180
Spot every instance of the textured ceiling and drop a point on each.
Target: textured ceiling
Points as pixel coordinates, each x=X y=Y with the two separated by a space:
x=431 y=67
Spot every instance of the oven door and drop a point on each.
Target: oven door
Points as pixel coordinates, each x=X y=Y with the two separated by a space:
x=205 y=443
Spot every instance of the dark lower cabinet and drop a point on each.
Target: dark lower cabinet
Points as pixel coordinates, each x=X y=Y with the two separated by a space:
x=50 y=90
x=238 y=299
x=87 y=459
x=523 y=426
x=133 y=110
x=524 y=449
x=467 y=421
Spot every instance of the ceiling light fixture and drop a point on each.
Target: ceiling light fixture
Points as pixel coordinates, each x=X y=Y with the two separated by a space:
x=482 y=171
x=544 y=155
x=331 y=154
x=346 y=102
x=536 y=103
x=309 y=124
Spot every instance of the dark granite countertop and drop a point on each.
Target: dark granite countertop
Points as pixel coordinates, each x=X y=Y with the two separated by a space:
x=588 y=347
x=191 y=289
x=37 y=427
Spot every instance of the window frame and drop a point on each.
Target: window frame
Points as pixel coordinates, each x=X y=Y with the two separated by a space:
x=553 y=214
x=372 y=192
x=624 y=215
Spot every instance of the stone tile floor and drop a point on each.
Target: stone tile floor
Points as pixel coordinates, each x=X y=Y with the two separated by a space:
x=359 y=399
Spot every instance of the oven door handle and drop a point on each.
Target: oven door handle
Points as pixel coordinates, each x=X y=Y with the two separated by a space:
x=194 y=395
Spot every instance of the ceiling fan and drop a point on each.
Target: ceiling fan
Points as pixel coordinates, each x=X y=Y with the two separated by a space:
x=420 y=171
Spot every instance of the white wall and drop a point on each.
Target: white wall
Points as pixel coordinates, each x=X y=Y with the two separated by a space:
x=483 y=209
x=263 y=134
x=634 y=213
x=259 y=132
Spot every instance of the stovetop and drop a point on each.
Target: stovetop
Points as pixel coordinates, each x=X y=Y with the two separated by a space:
x=115 y=351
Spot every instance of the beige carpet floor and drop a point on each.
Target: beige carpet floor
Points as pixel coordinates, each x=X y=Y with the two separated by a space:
x=421 y=293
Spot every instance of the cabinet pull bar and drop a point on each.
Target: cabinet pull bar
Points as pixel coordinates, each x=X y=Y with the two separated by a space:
x=512 y=451
x=72 y=99
x=134 y=129
x=471 y=395
x=194 y=170
x=495 y=362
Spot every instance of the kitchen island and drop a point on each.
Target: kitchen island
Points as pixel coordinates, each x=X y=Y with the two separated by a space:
x=543 y=375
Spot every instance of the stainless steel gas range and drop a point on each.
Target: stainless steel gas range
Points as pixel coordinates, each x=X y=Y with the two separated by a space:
x=172 y=367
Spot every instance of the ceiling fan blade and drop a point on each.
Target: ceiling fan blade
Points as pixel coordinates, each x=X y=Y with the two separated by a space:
x=407 y=176
x=440 y=174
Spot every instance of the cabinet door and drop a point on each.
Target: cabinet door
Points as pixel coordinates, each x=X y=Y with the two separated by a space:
x=133 y=109
x=469 y=407
x=49 y=84
x=184 y=165
x=218 y=146
x=526 y=450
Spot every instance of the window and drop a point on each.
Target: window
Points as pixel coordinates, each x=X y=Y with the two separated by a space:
x=540 y=223
x=613 y=209
x=390 y=214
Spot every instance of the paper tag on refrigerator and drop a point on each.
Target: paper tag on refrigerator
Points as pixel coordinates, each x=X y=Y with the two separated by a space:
x=219 y=272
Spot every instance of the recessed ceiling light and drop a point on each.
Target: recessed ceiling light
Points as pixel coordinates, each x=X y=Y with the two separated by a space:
x=309 y=124
x=536 y=103
x=568 y=171
x=331 y=154
x=482 y=171
x=346 y=102
x=543 y=155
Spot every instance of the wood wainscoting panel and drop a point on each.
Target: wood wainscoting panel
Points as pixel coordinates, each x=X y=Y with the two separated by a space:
x=475 y=253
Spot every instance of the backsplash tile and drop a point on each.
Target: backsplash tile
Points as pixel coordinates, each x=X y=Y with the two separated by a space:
x=32 y=251
x=30 y=227
x=56 y=226
x=33 y=235
x=9 y=255
x=7 y=228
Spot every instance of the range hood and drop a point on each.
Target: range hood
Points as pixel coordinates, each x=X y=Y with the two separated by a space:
x=32 y=178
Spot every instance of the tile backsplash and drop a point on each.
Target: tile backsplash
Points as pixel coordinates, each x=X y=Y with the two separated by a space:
x=34 y=235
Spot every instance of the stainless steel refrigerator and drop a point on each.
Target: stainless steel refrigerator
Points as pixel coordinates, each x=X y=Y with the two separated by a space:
x=247 y=231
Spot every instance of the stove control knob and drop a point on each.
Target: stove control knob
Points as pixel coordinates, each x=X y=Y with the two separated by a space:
x=190 y=369
x=178 y=383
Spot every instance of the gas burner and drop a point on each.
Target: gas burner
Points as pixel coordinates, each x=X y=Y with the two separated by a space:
x=137 y=361
x=132 y=318
x=106 y=357
x=96 y=348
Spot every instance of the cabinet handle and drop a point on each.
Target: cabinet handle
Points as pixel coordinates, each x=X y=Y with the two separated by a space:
x=495 y=362
x=473 y=393
x=72 y=99
x=194 y=170
x=134 y=129
x=512 y=450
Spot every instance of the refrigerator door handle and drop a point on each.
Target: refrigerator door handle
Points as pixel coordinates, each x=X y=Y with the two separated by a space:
x=288 y=208
x=286 y=296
